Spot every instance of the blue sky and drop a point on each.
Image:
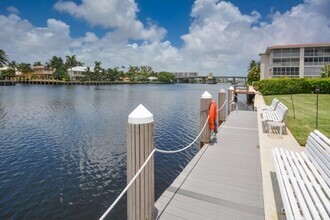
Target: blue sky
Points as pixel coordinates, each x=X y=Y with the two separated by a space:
x=174 y=35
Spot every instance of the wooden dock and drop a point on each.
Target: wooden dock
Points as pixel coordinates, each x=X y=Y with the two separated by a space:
x=244 y=89
x=223 y=181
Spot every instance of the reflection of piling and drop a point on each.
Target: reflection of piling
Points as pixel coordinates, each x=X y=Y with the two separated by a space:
x=204 y=113
x=140 y=143
x=221 y=102
x=230 y=99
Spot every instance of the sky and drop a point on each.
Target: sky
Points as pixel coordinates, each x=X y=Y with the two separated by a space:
x=202 y=36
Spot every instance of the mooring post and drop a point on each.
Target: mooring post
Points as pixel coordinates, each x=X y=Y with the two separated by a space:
x=140 y=143
x=221 y=102
x=205 y=137
x=230 y=99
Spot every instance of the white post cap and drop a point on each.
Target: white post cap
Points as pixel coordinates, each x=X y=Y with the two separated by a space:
x=231 y=88
x=222 y=91
x=206 y=95
x=140 y=115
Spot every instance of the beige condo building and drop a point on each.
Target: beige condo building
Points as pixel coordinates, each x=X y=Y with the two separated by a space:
x=297 y=61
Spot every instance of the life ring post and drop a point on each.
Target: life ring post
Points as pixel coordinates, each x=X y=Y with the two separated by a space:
x=205 y=137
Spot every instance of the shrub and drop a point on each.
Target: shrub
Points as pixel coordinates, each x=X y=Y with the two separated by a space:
x=166 y=77
x=7 y=74
x=293 y=85
x=323 y=84
x=256 y=85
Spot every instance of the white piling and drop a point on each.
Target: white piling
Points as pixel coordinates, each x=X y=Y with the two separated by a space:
x=230 y=99
x=140 y=143
x=205 y=137
x=221 y=102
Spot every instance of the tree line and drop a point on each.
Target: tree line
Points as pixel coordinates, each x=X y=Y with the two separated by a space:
x=60 y=68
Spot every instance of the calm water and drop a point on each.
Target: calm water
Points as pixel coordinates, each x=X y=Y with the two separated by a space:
x=63 y=152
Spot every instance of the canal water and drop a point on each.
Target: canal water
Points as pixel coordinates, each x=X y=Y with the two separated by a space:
x=63 y=150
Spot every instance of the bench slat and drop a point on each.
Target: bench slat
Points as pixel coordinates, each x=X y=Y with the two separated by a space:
x=294 y=181
x=271 y=107
x=320 y=146
x=318 y=166
x=286 y=192
x=318 y=178
x=323 y=138
x=305 y=178
x=325 y=203
x=312 y=199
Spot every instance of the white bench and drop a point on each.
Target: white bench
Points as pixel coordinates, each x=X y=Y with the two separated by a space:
x=304 y=179
x=277 y=115
x=271 y=107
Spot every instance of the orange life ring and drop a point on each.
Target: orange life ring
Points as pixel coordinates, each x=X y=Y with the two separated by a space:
x=213 y=115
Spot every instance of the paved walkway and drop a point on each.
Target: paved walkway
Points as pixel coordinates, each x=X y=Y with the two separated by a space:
x=223 y=181
x=272 y=197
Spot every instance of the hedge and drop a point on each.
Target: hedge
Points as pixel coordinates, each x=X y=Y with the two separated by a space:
x=280 y=86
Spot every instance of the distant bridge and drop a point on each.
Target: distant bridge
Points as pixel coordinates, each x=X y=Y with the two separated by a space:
x=212 y=79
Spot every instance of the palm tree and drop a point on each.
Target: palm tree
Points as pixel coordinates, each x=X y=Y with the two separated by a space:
x=12 y=65
x=325 y=71
x=98 y=70
x=80 y=63
x=37 y=63
x=71 y=62
x=48 y=66
x=88 y=73
x=3 y=58
x=252 y=64
x=25 y=68
x=98 y=67
x=253 y=72
x=132 y=71
x=55 y=62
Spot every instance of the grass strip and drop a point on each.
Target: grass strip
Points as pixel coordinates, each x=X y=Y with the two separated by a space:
x=305 y=114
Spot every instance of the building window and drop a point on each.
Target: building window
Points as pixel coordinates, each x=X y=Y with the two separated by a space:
x=308 y=52
x=327 y=51
x=312 y=71
x=286 y=71
x=293 y=52
x=277 y=53
x=326 y=60
x=286 y=62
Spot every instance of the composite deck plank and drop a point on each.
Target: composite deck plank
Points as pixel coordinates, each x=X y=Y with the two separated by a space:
x=223 y=181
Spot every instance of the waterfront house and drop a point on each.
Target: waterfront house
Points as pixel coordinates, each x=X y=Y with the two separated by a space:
x=41 y=72
x=296 y=61
x=125 y=79
x=78 y=72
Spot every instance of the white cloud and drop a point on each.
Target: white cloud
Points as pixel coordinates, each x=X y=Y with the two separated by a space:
x=12 y=9
x=25 y=43
x=221 y=39
x=321 y=6
x=224 y=40
x=118 y=14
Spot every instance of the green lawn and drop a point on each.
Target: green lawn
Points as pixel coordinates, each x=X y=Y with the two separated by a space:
x=305 y=109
